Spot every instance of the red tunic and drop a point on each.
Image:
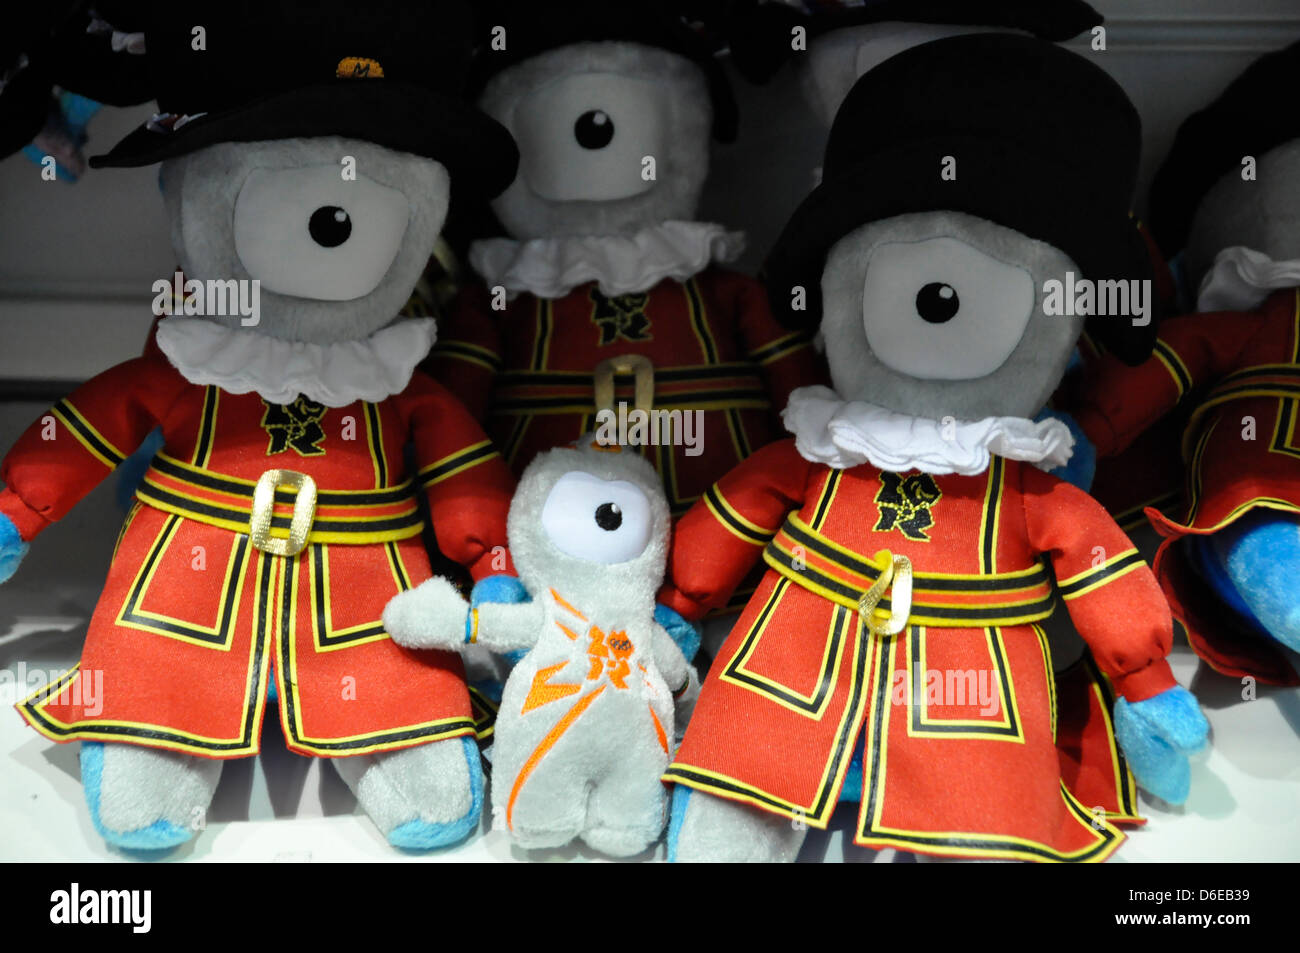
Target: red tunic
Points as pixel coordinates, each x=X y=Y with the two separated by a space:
x=1240 y=372
x=198 y=613
x=963 y=700
x=712 y=339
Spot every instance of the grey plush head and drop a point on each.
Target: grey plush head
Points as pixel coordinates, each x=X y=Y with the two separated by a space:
x=337 y=253
x=593 y=523
x=586 y=117
x=938 y=314
x=1263 y=215
x=837 y=59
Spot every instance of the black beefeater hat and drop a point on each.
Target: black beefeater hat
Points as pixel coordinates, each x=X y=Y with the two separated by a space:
x=391 y=72
x=533 y=27
x=1045 y=143
x=760 y=30
x=1248 y=119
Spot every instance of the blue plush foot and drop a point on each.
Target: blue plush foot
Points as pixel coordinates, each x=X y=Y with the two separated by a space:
x=681 y=797
x=12 y=549
x=142 y=799
x=1254 y=566
x=1157 y=736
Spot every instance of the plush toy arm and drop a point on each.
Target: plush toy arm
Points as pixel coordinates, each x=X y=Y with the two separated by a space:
x=79 y=441
x=434 y=615
x=467 y=357
x=719 y=539
x=1157 y=736
x=1191 y=350
x=468 y=485
x=668 y=658
x=12 y=548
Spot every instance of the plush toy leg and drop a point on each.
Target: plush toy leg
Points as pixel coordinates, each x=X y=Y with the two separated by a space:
x=710 y=829
x=1259 y=561
x=626 y=812
x=420 y=798
x=146 y=798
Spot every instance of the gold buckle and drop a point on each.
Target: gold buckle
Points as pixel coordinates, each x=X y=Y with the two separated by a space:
x=304 y=512
x=635 y=364
x=898 y=573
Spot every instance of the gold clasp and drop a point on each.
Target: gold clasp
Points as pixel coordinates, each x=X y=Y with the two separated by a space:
x=636 y=364
x=897 y=572
x=304 y=512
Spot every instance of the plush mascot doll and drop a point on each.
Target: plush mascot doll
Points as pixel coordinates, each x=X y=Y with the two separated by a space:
x=279 y=517
x=1227 y=196
x=607 y=292
x=587 y=716
x=909 y=529
x=834 y=42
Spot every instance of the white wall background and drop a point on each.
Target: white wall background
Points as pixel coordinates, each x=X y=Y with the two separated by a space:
x=77 y=262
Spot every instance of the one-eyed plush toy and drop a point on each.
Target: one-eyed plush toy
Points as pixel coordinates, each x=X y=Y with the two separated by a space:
x=607 y=292
x=1227 y=196
x=909 y=528
x=308 y=154
x=586 y=719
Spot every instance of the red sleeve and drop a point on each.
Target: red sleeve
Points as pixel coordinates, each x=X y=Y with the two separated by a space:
x=84 y=437
x=1120 y=402
x=468 y=484
x=785 y=358
x=718 y=540
x=1111 y=595
x=467 y=356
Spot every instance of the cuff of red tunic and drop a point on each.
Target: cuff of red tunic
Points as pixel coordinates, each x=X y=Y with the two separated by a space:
x=493 y=562
x=1145 y=682
x=683 y=605
x=1096 y=426
x=27 y=520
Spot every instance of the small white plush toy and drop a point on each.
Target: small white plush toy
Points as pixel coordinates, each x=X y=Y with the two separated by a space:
x=586 y=722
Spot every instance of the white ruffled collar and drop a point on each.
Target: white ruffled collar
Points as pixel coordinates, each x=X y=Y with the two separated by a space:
x=620 y=264
x=1241 y=278
x=843 y=434
x=336 y=375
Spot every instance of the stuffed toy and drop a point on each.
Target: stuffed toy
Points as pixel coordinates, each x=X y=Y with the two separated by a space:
x=606 y=293
x=842 y=39
x=586 y=718
x=909 y=528
x=280 y=515
x=1226 y=197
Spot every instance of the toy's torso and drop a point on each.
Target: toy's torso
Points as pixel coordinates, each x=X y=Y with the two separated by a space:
x=963 y=697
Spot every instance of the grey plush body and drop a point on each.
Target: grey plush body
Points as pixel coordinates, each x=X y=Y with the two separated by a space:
x=202 y=193
x=653 y=83
x=586 y=720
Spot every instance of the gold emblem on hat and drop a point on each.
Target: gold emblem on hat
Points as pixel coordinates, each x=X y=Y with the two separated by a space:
x=359 y=67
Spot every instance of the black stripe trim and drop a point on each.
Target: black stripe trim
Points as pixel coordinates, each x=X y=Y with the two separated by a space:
x=737 y=527
x=211 y=481
x=524 y=404
x=149 y=493
x=1176 y=364
x=71 y=418
x=428 y=477
x=672 y=375
x=1100 y=573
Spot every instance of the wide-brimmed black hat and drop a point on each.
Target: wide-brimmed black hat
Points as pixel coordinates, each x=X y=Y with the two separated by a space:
x=1248 y=119
x=1044 y=142
x=760 y=30
x=391 y=72
x=533 y=27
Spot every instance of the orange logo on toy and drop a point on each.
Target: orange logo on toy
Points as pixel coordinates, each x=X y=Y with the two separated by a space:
x=609 y=654
x=359 y=67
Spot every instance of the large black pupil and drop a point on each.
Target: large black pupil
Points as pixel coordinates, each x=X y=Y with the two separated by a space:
x=330 y=226
x=609 y=517
x=595 y=129
x=937 y=302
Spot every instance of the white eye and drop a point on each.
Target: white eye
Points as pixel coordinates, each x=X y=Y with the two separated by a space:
x=585 y=137
x=601 y=521
x=944 y=310
x=308 y=233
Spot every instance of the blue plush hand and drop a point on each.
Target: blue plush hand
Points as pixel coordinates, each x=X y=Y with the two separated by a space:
x=1252 y=565
x=687 y=635
x=1082 y=466
x=1157 y=734
x=12 y=548
x=501 y=589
